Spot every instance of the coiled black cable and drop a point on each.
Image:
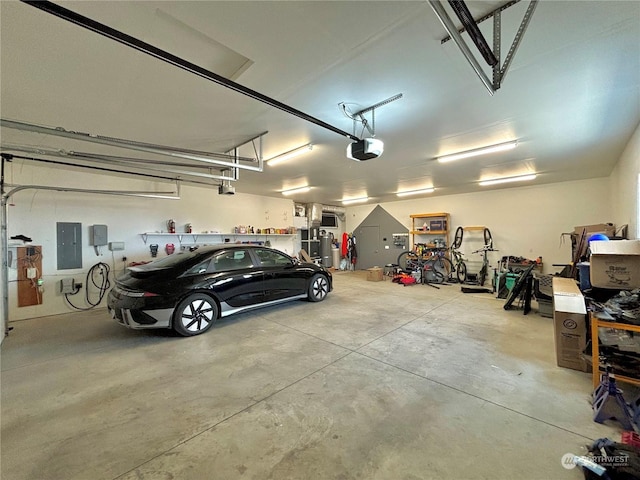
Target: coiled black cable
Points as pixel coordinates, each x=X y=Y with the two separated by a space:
x=103 y=285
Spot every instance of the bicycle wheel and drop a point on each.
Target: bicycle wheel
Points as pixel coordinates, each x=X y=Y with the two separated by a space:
x=461 y=272
x=488 y=240
x=457 y=239
x=408 y=261
x=444 y=266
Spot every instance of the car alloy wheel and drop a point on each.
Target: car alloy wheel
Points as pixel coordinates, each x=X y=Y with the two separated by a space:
x=318 y=288
x=195 y=315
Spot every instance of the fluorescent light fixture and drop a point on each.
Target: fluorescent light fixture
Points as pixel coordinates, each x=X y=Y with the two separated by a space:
x=283 y=157
x=519 y=178
x=500 y=147
x=293 y=191
x=349 y=201
x=415 y=192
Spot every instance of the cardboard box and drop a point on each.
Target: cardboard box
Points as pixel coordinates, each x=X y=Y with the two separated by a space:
x=570 y=324
x=608 y=229
x=615 y=264
x=374 y=274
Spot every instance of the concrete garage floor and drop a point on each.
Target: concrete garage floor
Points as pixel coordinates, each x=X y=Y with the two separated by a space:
x=379 y=381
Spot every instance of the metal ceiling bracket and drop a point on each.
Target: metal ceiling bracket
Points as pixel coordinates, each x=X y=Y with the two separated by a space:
x=165 y=56
x=360 y=114
x=464 y=15
x=448 y=25
x=499 y=72
x=516 y=40
x=485 y=17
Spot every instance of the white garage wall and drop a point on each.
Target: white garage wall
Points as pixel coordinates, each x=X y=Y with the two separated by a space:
x=624 y=186
x=34 y=213
x=524 y=221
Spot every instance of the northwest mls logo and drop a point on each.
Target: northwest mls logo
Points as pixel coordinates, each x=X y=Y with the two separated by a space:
x=568 y=461
x=595 y=462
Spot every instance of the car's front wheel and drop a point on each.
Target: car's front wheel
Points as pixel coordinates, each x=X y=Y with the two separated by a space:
x=318 y=288
x=195 y=315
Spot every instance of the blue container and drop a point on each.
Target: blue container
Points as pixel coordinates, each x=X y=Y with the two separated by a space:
x=584 y=272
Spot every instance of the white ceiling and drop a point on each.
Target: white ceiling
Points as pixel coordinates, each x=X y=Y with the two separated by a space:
x=571 y=96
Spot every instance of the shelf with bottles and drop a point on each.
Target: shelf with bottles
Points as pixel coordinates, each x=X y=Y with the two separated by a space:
x=192 y=238
x=426 y=226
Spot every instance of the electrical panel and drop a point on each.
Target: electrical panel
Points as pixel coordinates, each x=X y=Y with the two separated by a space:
x=69 y=245
x=98 y=235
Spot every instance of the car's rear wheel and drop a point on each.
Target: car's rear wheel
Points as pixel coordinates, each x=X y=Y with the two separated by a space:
x=318 y=288
x=195 y=315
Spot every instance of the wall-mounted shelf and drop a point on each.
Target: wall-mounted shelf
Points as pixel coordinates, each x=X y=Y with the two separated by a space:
x=192 y=238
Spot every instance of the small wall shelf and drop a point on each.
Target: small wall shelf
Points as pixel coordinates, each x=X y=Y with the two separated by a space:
x=192 y=238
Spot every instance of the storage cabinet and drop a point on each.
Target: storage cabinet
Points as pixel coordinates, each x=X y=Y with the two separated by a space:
x=431 y=229
x=311 y=241
x=595 y=347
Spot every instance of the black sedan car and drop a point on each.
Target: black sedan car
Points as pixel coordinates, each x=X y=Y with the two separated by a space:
x=189 y=291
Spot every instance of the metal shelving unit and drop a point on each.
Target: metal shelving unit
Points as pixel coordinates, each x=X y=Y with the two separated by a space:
x=421 y=224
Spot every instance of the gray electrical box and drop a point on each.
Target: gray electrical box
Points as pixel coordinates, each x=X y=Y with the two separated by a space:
x=98 y=235
x=67 y=285
x=69 y=242
x=116 y=246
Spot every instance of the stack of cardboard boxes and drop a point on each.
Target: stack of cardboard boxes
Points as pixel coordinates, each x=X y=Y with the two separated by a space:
x=613 y=265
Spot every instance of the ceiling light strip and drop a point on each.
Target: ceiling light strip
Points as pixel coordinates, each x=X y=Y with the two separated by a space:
x=496 y=181
x=293 y=191
x=499 y=147
x=283 y=157
x=415 y=192
x=349 y=201
x=165 y=56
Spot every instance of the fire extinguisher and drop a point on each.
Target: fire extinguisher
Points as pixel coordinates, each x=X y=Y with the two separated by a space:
x=171 y=226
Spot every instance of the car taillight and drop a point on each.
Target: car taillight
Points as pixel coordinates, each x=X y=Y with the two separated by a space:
x=149 y=294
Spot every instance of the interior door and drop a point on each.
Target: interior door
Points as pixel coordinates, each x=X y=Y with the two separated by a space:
x=368 y=246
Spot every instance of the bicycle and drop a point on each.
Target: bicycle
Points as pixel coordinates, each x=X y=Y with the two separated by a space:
x=430 y=268
x=458 y=261
x=482 y=276
x=458 y=265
